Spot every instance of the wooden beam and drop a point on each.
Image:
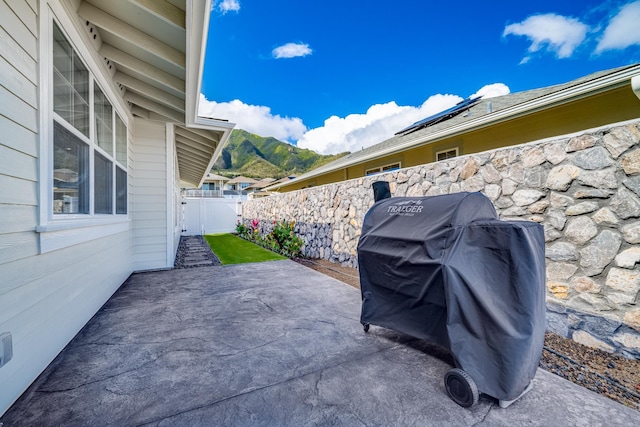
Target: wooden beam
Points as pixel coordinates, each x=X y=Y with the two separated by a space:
x=197 y=147
x=125 y=60
x=194 y=134
x=202 y=139
x=193 y=172
x=193 y=159
x=164 y=10
x=149 y=91
x=124 y=31
x=140 y=112
x=140 y=100
x=186 y=165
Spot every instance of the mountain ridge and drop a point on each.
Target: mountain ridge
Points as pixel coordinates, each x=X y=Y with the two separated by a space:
x=255 y=156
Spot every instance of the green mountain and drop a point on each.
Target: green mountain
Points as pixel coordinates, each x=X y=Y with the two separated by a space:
x=255 y=156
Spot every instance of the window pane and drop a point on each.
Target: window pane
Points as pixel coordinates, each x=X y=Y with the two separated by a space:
x=70 y=83
x=392 y=167
x=70 y=173
x=444 y=155
x=121 y=141
x=104 y=118
x=372 y=171
x=121 y=191
x=103 y=184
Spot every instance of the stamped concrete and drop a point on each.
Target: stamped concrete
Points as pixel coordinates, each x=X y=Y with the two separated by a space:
x=273 y=344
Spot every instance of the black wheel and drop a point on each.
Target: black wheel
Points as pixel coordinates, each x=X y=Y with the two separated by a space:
x=461 y=388
x=365 y=326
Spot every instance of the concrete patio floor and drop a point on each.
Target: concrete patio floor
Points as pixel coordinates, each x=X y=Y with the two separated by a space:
x=269 y=344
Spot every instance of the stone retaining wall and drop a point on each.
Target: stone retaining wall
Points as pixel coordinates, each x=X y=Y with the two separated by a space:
x=584 y=189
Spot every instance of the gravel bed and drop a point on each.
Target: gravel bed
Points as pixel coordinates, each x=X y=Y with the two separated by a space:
x=194 y=251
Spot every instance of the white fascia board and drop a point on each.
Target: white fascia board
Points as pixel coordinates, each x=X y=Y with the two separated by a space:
x=221 y=144
x=635 y=85
x=198 y=13
x=197 y=23
x=572 y=93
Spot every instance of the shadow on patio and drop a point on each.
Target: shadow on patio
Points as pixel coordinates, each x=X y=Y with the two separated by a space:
x=268 y=344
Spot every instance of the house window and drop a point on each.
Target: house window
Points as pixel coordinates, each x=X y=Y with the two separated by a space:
x=70 y=172
x=446 y=154
x=380 y=169
x=89 y=140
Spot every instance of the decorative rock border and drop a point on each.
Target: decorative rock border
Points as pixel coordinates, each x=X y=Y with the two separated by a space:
x=584 y=189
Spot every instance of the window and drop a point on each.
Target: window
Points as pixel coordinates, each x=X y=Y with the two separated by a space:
x=89 y=140
x=447 y=154
x=380 y=169
x=70 y=172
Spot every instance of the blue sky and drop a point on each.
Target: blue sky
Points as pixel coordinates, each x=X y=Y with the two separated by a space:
x=339 y=75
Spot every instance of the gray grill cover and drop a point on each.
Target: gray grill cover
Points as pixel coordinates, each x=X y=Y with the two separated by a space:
x=447 y=270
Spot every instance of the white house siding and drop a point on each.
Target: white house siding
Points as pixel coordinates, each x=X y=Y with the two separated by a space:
x=176 y=218
x=45 y=299
x=150 y=200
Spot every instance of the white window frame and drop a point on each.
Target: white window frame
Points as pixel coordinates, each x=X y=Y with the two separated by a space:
x=457 y=153
x=57 y=231
x=384 y=168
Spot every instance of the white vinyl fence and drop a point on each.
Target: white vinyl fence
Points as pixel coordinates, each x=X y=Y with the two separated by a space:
x=209 y=215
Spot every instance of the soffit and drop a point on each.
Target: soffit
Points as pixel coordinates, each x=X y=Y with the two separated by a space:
x=194 y=149
x=151 y=54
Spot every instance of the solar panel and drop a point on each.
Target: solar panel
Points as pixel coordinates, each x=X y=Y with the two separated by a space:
x=441 y=116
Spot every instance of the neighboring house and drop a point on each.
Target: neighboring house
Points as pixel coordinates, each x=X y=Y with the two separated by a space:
x=260 y=184
x=478 y=125
x=212 y=186
x=255 y=190
x=99 y=131
x=239 y=183
x=214 y=182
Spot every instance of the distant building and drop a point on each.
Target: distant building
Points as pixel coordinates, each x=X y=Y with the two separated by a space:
x=239 y=183
x=260 y=184
x=212 y=186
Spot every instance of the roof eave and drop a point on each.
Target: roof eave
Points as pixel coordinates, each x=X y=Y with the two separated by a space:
x=198 y=13
x=558 y=98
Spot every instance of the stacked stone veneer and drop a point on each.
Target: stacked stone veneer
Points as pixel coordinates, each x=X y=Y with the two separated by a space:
x=584 y=189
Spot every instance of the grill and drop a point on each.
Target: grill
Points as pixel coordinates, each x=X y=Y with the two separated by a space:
x=447 y=270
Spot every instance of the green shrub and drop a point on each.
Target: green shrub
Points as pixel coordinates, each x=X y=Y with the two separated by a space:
x=281 y=239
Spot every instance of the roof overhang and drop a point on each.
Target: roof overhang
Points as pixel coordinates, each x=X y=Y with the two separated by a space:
x=635 y=85
x=154 y=51
x=573 y=93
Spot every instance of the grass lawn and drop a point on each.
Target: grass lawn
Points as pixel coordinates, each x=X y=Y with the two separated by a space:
x=231 y=249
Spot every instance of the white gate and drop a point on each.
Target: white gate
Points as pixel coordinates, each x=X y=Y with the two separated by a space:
x=209 y=215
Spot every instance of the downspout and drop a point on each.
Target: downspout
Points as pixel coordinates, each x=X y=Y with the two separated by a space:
x=635 y=85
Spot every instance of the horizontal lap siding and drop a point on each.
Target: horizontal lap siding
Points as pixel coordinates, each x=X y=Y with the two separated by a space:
x=18 y=131
x=45 y=299
x=150 y=195
x=56 y=298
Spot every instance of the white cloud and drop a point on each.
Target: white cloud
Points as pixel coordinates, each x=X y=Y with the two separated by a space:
x=623 y=29
x=291 y=50
x=550 y=32
x=492 y=90
x=338 y=134
x=380 y=122
x=254 y=118
x=225 y=6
